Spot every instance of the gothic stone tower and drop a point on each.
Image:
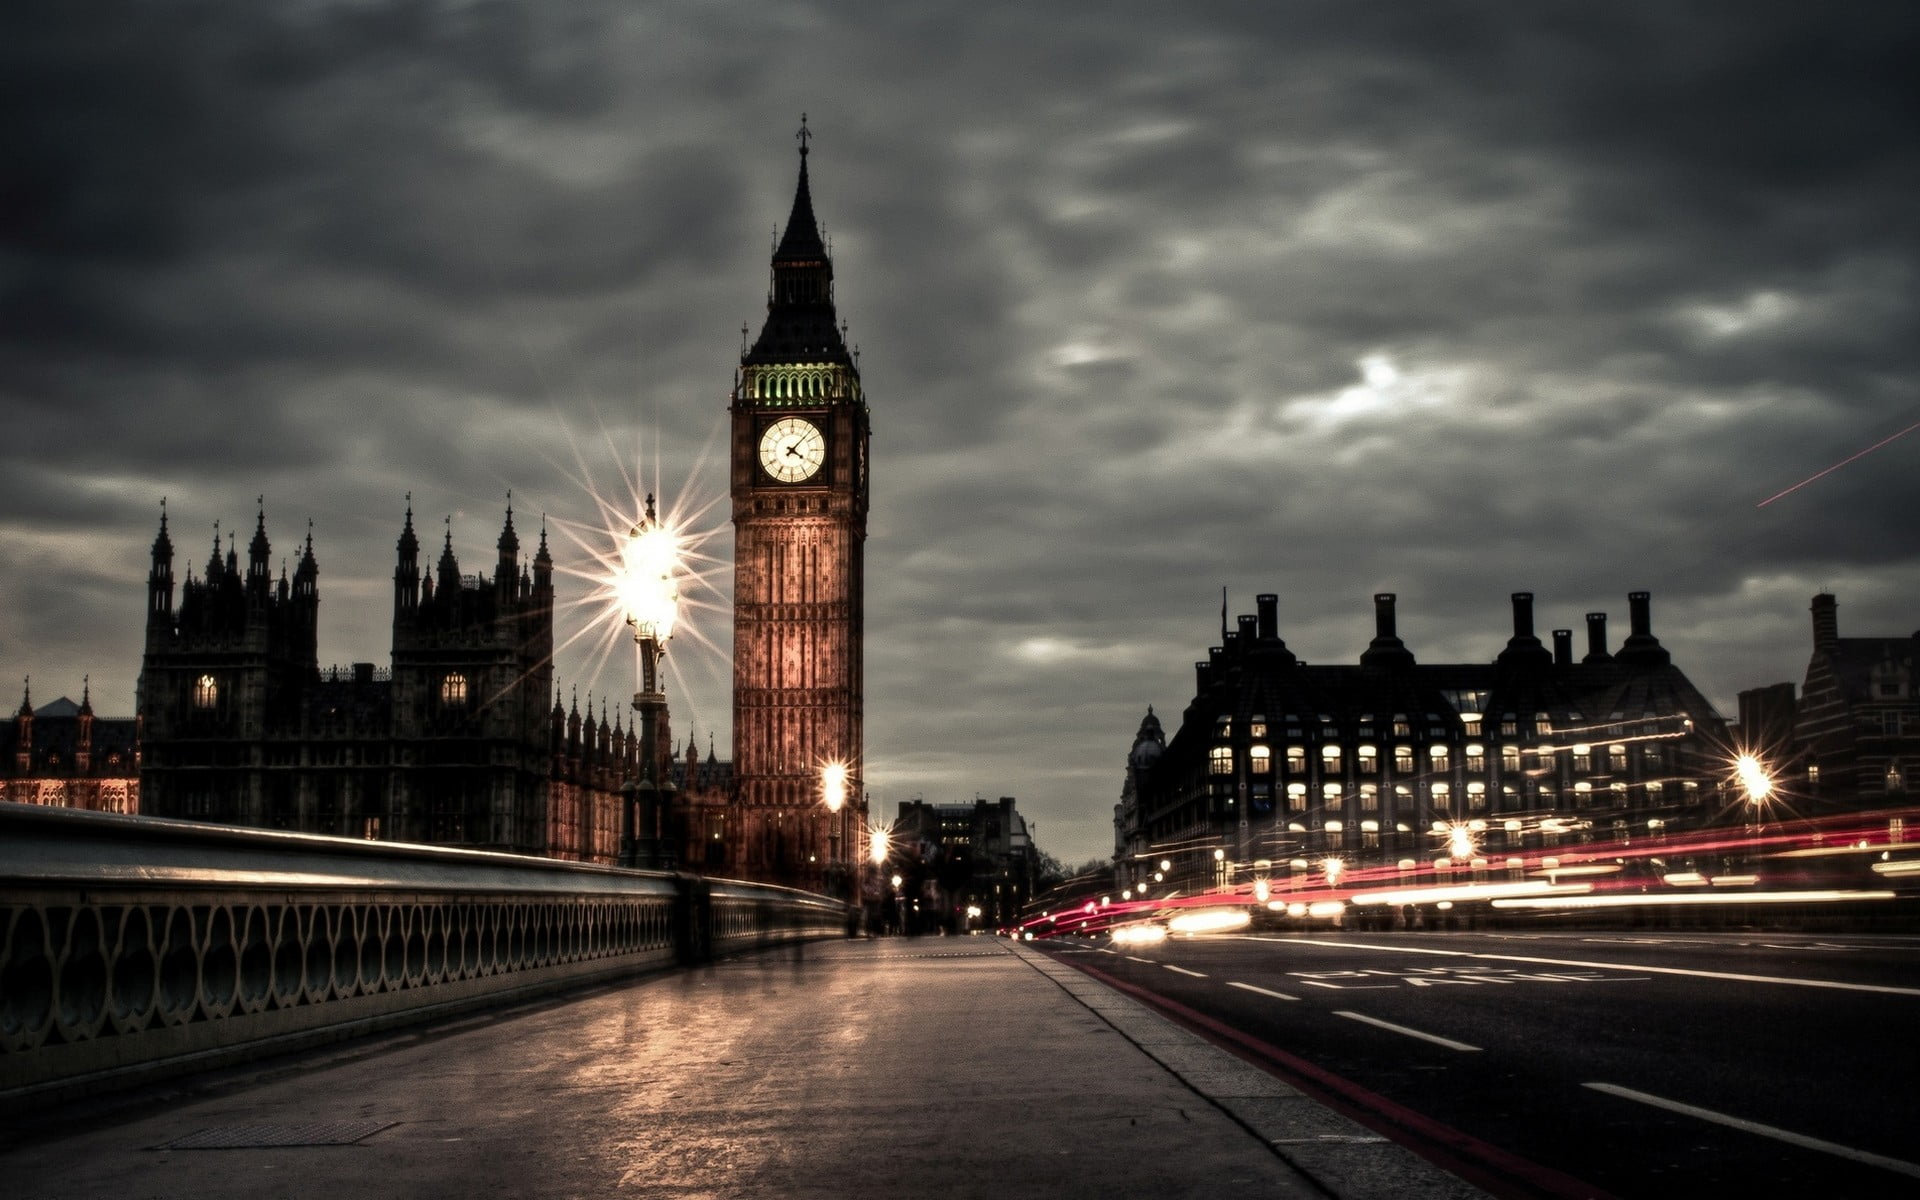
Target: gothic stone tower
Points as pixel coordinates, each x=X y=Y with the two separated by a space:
x=472 y=674
x=222 y=683
x=799 y=488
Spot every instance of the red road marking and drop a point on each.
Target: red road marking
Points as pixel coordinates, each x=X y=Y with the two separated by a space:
x=1482 y=1163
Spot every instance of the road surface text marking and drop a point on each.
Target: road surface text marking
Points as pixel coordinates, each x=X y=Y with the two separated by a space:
x=1781 y=1135
x=1260 y=991
x=1426 y=977
x=1884 y=989
x=1435 y=1038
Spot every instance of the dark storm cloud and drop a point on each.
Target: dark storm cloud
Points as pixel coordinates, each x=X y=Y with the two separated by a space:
x=1451 y=300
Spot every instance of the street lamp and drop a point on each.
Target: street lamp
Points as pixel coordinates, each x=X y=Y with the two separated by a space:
x=1757 y=782
x=650 y=599
x=833 y=791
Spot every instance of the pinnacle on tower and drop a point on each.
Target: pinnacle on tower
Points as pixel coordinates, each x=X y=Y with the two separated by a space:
x=800 y=326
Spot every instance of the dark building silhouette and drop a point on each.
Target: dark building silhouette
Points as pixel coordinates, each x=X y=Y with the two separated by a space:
x=799 y=488
x=62 y=755
x=957 y=857
x=1855 y=729
x=1380 y=761
x=459 y=742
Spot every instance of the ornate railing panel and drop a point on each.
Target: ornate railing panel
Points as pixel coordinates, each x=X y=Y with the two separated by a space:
x=132 y=947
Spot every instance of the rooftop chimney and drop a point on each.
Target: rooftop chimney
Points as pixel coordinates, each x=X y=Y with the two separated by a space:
x=1826 y=623
x=1641 y=648
x=1523 y=646
x=1269 y=606
x=1386 y=650
x=1597 y=639
x=1563 y=647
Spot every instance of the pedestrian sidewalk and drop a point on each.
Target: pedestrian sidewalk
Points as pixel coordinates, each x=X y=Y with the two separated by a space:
x=892 y=1068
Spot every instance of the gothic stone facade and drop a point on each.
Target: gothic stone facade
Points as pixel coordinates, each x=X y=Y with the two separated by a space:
x=799 y=488
x=60 y=754
x=455 y=744
x=1377 y=762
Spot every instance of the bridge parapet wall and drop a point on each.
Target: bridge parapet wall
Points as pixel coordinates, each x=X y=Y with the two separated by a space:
x=133 y=948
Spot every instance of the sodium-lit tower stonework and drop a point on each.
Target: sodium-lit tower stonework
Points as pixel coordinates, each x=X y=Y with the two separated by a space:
x=799 y=488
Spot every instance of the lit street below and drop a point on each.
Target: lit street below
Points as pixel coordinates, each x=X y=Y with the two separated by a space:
x=885 y=1068
x=1641 y=1062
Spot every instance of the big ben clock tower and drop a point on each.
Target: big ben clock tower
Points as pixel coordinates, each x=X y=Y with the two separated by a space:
x=799 y=489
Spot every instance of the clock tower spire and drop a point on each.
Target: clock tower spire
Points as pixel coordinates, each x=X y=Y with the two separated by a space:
x=798 y=450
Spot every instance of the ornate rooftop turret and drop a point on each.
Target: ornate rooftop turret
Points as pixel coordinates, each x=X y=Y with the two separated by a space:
x=800 y=326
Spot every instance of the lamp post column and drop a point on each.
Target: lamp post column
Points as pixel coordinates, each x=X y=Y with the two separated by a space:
x=648 y=703
x=651 y=600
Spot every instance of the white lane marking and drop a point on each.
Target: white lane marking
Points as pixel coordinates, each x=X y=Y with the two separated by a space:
x=1781 y=1135
x=1351 y=987
x=1247 y=987
x=1435 y=1038
x=1148 y=961
x=1183 y=970
x=1836 y=985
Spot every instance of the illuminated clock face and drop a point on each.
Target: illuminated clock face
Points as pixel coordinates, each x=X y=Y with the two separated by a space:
x=792 y=449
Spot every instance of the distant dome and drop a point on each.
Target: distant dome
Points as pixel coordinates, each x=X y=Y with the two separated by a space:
x=1148 y=742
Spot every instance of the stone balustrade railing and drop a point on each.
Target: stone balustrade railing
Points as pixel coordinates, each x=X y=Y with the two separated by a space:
x=132 y=948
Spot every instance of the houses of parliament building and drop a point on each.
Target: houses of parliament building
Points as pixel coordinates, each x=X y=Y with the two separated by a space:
x=462 y=740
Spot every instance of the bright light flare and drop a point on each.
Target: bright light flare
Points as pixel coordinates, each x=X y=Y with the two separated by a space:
x=1753 y=778
x=1210 y=920
x=648 y=594
x=1460 y=841
x=1332 y=868
x=878 y=845
x=833 y=785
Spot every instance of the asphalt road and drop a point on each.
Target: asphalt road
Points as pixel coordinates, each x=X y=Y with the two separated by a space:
x=1681 y=1064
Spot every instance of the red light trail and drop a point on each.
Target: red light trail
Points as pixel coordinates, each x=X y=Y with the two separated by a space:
x=1836 y=466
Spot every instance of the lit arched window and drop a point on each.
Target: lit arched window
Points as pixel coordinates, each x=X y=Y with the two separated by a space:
x=453 y=689
x=206 y=692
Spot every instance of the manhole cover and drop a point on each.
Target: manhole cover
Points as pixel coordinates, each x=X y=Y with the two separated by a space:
x=255 y=1137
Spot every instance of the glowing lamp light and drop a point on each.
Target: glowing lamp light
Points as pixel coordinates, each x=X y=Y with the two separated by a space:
x=877 y=846
x=1460 y=842
x=648 y=595
x=1331 y=868
x=833 y=785
x=1753 y=777
x=1262 y=890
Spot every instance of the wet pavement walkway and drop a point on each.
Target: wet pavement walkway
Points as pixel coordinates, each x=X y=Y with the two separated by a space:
x=892 y=1068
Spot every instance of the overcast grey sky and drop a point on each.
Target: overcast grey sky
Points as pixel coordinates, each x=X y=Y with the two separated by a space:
x=1449 y=300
